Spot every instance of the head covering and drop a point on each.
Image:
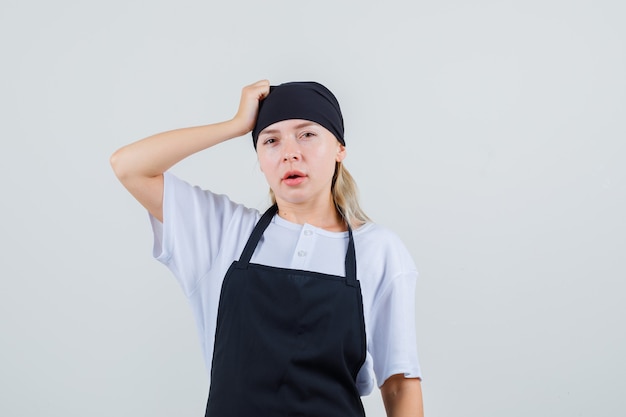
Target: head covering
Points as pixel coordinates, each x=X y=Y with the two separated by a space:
x=305 y=100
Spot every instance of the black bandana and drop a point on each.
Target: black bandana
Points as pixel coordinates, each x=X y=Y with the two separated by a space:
x=300 y=100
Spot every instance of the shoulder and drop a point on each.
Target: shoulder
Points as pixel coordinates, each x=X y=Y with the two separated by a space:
x=199 y=220
x=374 y=237
x=371 y=230
x=382 y=257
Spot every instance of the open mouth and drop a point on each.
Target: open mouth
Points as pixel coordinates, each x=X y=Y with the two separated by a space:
x=293 y=177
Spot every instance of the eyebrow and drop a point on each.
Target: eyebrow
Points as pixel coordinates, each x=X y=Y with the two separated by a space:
x=298 y=126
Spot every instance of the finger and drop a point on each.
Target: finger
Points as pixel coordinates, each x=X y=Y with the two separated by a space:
x=258 y=90
x=259 y=83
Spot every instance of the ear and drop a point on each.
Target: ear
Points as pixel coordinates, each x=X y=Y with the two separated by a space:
x=341 y=153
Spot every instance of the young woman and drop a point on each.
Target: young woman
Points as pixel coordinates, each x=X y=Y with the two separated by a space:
x=302 y=309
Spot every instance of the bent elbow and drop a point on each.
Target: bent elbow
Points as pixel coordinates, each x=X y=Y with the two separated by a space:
x=117 y=164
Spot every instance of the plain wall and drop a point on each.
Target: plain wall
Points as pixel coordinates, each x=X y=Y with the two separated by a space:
x=489 y=135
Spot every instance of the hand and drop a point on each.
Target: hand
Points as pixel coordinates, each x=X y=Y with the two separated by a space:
x=251 y=95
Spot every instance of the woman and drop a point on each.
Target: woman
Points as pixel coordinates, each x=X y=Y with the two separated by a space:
x=286 y=327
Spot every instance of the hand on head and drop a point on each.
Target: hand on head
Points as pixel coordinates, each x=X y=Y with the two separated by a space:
x=251 y=95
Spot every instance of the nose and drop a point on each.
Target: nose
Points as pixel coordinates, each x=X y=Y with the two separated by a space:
x=291 y=156
x=292 y=153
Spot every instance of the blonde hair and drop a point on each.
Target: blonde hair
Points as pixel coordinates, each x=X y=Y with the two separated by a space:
x=345 y=196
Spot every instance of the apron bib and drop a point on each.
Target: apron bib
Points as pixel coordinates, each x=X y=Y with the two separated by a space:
x=288 y=342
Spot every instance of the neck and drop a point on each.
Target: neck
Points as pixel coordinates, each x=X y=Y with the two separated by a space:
x=319 y=214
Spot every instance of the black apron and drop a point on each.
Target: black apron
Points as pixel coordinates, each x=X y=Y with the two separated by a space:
x=288 y=342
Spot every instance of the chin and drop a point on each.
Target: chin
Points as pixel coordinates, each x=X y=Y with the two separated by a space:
x=292 y=198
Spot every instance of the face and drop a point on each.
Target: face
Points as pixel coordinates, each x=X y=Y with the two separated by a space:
x=298 y=158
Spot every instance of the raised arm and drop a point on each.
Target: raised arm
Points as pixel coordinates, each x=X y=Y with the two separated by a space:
x=140 y=165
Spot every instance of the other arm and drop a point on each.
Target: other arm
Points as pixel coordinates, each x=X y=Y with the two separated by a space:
x=402 y=396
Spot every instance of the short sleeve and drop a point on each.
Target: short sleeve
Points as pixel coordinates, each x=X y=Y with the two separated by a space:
x=194 y=224
x=393 y=343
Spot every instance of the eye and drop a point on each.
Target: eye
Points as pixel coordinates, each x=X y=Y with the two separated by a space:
x=269 y=141
x=307 y=135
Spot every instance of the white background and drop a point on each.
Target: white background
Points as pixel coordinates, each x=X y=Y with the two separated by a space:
x=490 y=135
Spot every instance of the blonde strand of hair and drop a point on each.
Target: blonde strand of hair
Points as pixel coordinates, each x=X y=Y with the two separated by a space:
x=346 y=197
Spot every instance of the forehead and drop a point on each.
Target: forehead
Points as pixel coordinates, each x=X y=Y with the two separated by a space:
x=290 y=124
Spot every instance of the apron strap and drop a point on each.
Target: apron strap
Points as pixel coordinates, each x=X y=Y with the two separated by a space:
x=266 y=219
x=255 y=236
x=350 y=260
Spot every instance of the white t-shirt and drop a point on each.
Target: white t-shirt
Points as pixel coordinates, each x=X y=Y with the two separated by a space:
x=203 y=233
